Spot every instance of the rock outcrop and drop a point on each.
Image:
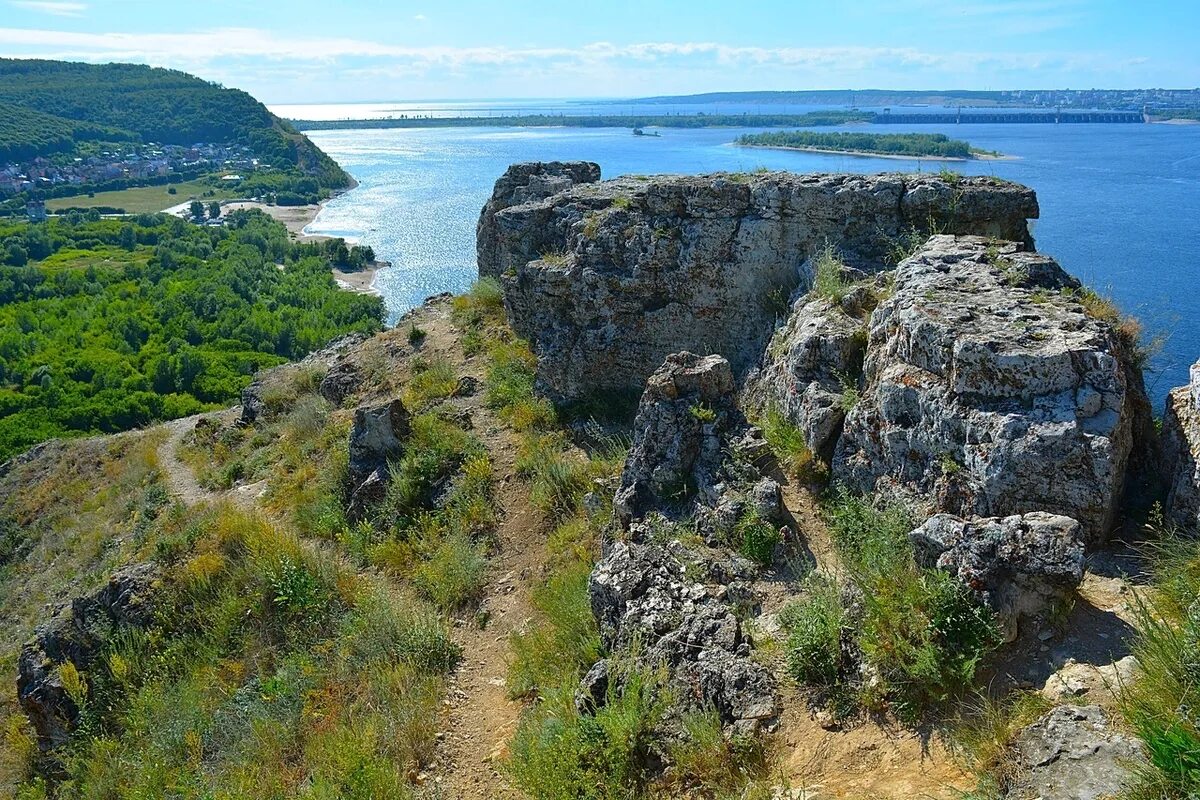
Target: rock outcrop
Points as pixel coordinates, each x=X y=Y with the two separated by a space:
x=376 y=438
x=334 y=358
x=673 y=604
x=1181 y=452
x=77 y=636
x=1018 y=566
x=523 y=183
x=645 y=601
x=685 y=415
x=1073 y=753
x=607 y=278
x=809 y=364
x=991 y=391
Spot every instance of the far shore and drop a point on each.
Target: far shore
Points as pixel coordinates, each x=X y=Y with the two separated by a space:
x=870 y=154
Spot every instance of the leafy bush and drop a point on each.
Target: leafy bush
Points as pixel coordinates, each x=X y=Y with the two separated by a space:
x=756 y=538
x=922 y=633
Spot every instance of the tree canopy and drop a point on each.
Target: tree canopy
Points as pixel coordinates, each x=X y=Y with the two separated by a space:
x=109 y=324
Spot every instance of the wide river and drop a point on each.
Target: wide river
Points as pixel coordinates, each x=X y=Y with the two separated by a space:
x=1120 y=203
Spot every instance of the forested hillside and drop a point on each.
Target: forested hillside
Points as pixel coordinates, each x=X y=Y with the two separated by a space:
x=25 y=133
x=110 y=324
x=147 y=104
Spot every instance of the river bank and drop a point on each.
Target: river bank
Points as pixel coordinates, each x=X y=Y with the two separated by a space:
x=872 y=154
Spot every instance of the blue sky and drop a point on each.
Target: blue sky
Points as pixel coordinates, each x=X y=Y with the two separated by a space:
x=371 y=50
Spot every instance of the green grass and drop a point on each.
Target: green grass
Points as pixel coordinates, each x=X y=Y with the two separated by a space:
x=755 y=538
x=920 y=631
x=1161 y=702
x=827 y=276
x=788 y=443
x=144 y=199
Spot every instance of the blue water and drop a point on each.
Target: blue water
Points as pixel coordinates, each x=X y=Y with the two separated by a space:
x=1120 y=203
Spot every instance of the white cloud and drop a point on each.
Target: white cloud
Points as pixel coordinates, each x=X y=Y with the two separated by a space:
x=420 y=17
x=55 y=7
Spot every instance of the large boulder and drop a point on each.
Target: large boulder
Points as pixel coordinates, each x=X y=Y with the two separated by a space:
x=78 y=635
x=992 y=391
x=523 y=183
x=648 y=600
x=1019 y=565
x=1181 y=452
x=605 y=279
x=1073 y=753
x=376 y=438
x=686 y=416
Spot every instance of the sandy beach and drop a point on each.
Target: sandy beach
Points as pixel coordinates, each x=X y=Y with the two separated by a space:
x=296 y=219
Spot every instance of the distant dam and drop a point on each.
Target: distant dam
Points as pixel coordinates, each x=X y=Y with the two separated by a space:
x=975 y=117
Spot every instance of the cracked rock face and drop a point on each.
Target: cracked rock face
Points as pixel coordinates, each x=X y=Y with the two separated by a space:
x=1073 y=753
x=685 y=415
x=77 y=635
x=810 y=358
x=605 y=279
x=990 y=391
x=1018 y=566
x=523 y=183
x=643 y=598
x=1181 y=452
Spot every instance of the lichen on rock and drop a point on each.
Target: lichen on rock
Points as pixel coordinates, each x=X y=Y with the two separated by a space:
x=990 y=391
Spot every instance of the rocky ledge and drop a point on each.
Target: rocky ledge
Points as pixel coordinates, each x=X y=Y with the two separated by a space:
x=1181 y=452
x=606 y=279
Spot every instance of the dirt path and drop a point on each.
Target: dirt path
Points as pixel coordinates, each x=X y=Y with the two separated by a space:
x=182 y=482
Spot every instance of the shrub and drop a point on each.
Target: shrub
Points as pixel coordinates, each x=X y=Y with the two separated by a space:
x=453 y=574
x=705 y=763
x=828 y=281
x=416 y=335
x=756 y=538
x=1161 y=704
x=432 y=381
x=814 y=627
x=559 y=753
x=787 y=442
x=921 y=631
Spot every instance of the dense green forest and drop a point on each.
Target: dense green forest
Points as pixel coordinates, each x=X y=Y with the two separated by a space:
x=903 y=144
x=821 y=118
x=110 y=324
x=25 y=133
x=151 y=105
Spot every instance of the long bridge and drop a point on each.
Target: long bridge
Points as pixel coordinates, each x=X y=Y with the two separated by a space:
x=976 y=117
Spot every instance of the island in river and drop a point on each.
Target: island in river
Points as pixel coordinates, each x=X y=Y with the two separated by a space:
x=887 y=145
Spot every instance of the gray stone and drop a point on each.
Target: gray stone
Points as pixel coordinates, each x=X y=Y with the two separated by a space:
x=343 y=379
x=376 y=438
x=523 y=183
x=1019 y=565
x=78 y=635
x=806 y=367
x=685 y=416
x=606 y=279
x=1181 y=452
x=645 y=602
x=989 y=391
x=1073 y=753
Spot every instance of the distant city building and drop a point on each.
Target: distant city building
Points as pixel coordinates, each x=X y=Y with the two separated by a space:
x=36 y=211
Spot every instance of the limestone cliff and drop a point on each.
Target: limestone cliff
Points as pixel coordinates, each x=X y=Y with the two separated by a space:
x=1181 y=452
x=608 y=278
